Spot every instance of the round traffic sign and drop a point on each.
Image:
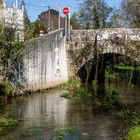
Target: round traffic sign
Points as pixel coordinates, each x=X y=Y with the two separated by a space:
x=66 y=10
x=41 y=31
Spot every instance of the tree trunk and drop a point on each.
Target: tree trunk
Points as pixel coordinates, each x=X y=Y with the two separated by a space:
x=131 y=76
x=96 y=59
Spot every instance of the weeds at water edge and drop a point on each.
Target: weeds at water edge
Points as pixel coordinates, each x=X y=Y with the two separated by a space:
x=6 y=124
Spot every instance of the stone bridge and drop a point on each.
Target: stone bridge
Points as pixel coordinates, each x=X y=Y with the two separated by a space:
x=45 y=58
x=88 y=45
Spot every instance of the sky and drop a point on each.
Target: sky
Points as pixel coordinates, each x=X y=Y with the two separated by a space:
x=35 y=7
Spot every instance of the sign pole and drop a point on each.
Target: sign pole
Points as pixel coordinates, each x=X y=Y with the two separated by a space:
x=66 y=11
x=66 y=26
x=69 y=24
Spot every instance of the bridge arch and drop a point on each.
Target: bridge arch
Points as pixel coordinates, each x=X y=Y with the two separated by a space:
x=104 y=60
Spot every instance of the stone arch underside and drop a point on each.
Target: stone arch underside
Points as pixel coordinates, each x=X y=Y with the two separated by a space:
x=104 y=60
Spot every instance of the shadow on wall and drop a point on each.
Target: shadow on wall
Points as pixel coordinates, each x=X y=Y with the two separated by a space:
x=17 y=75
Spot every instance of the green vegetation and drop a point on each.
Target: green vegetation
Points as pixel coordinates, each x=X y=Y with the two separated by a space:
x=110 y=100
x=93 y=9
x=63 y=133
x=9 y=89
x=126 y=113
x=129 y=114
x=65 y=95
x=6 y=124
x=94 y=83
x=31 y=131
x=81 y=93
x=78 y=91
x=134 y=119
x=112 y=75
x=71 y=84
x=11 y=51
x=127 y=68
x=74 y=21
x=134 y=133
x=131 y=10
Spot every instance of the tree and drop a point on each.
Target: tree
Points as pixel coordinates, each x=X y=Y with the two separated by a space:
x=94 y=13
x=27 y=23
x=10 y=50
x=74 y=21
x=132 y=12
x=118 y=19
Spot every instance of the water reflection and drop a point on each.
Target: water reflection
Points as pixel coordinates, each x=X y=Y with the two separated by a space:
x=45 y=107
x=48 y=112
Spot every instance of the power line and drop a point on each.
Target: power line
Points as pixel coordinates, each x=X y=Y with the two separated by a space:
x=33 y=5
x=29 y=4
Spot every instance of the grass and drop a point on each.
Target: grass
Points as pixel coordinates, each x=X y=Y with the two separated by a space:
x=127 y=68
x=112 y=75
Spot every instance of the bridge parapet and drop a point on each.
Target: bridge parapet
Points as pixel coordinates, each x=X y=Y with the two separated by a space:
x=104 y=34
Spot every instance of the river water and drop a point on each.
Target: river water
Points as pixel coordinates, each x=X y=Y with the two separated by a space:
x=44 y=115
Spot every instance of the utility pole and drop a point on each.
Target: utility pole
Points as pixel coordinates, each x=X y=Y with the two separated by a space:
x=59 y=19
x=16 y=4
x=58 y=6
x=49 y=24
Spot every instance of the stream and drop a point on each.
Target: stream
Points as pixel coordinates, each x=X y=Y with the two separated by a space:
x=47 y=116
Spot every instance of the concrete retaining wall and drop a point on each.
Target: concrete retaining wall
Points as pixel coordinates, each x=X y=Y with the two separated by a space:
x=45 y=61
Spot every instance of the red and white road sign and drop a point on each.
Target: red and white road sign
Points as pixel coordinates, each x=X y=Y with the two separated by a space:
x=66 y=10
x=41 y=32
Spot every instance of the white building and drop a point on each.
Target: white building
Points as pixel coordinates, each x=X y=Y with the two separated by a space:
x=13 y=16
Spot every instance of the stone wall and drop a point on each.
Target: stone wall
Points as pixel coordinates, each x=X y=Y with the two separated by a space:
x=115 y=40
